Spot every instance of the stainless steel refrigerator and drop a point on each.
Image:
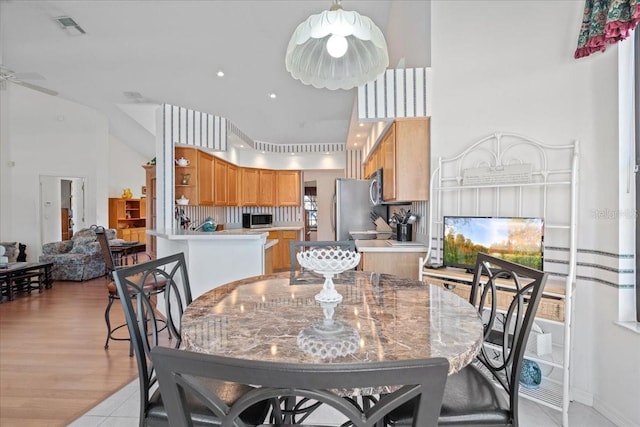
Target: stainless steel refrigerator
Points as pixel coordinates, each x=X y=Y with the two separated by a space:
x=352 y=208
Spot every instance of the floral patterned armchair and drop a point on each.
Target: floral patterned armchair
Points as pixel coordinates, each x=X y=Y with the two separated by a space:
x=77 y=259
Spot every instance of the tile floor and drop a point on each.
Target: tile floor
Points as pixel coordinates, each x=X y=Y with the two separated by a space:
x=121 y=410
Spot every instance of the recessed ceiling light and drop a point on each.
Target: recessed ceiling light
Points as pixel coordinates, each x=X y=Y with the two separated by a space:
x=220 y=73
x=241 y=145
x=263 y=152
x=355 y=144
x=293 y=154
x=272 y=95
x=361 y=124
x=327 y=153
x=358 y=135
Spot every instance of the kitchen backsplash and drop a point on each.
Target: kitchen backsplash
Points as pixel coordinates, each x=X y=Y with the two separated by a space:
x=232 y=217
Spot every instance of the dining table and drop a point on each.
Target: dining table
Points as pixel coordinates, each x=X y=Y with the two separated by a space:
x=380 y=318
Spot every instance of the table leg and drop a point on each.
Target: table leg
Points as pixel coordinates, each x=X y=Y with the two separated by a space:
x=48 y=283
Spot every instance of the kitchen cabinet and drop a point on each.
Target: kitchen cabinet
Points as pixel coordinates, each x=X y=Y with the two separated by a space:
x=267 y=187
x=250 y=185
x=281 y=251
x=288 y=188
x=151 y=209
x=410 y=164
x=205 y=179
x=232 y=185
x=220 y=168
x=186 y=177
x=128 y=218
x=388 y=154
x=403 y=154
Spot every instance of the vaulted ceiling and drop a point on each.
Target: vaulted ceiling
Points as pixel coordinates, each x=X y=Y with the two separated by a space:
x=140 y=52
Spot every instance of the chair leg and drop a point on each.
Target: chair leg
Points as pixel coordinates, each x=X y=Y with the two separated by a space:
x=108 y=321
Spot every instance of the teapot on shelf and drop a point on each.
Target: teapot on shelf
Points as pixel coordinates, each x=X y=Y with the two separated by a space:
x=182 y=162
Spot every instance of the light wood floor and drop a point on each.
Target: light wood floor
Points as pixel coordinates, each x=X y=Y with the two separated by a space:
x=53 y=365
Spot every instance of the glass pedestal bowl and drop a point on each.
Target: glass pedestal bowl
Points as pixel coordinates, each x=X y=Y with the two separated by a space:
x=328 y=262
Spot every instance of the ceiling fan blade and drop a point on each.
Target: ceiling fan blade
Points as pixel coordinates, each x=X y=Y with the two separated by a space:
x=36 y=87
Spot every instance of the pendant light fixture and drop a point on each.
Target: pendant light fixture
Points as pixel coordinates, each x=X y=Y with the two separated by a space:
x=337 y=49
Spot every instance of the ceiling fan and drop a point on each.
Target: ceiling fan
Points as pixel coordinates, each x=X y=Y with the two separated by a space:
x=7 y=75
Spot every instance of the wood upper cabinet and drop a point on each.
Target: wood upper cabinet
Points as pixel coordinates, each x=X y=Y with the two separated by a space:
x=249 y=184
x=233 y=185
x=267 y=187
x=220 y=168
x=205 y=179
x=190 y=189
x=388 y=156
x=403 y=154
x=413 y=164
x=288 y=188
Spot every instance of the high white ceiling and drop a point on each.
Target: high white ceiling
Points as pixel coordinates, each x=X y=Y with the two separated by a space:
x=169 y=52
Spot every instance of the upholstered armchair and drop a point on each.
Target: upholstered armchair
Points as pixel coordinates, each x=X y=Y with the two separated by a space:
x=77 y=259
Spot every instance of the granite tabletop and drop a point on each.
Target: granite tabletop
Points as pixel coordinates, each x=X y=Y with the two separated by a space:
x=381 y=317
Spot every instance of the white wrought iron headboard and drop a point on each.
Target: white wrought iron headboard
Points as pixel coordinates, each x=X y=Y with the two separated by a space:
x=506 y=174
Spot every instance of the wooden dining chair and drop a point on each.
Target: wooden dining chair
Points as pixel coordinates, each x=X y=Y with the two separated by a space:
x=486 y=391
x=142 y=320
x=298 y=274
x=183 y=373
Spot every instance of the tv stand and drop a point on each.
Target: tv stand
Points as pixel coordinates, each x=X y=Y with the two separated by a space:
x=506 y=174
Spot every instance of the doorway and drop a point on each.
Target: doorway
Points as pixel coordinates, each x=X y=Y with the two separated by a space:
x=62 y=207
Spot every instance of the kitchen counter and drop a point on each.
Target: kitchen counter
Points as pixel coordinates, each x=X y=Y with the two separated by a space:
x=375 y=245
x=391 y=257
x=219 y=257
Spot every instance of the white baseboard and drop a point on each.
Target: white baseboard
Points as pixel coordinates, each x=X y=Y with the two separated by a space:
x=613 y=415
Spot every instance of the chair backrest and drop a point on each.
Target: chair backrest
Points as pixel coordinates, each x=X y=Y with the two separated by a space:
x=101 y=236
x=506 y=329
x=141 y=315
x=298 y=246
x=182 y=373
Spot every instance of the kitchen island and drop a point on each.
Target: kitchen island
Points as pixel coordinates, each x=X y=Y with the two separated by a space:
x=216 y=258
x=391 y=257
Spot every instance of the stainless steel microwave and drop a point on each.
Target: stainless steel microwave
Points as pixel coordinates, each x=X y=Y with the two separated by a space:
x=375 y=188
x=256 y=220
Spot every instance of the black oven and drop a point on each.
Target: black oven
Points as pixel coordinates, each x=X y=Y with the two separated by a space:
x=256 y=220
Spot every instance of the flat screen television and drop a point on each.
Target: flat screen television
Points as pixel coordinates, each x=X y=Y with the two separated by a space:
x=515 y=239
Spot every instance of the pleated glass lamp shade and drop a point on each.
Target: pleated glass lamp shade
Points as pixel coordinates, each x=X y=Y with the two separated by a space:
x=309 y=61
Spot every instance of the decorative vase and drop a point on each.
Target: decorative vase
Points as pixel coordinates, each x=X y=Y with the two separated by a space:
x=530 y=374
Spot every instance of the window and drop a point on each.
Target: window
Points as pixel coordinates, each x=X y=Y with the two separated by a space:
x=310 y=203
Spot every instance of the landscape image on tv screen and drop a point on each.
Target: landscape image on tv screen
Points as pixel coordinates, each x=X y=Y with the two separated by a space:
x=518 y=240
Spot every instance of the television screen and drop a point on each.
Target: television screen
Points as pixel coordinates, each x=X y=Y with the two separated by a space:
x=514 y=239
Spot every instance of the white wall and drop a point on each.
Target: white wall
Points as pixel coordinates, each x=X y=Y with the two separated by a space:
x=326 y=188
x=47 y=135
x=509 y=66
x=125 y=169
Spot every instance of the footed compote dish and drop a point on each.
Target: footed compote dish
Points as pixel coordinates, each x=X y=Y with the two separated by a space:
x=328 y=262
x=329 y=338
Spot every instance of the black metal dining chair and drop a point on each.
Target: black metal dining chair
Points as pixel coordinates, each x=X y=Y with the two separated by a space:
x=142 y=321
x=153 y=287
x=183 y=373
x=486 y=392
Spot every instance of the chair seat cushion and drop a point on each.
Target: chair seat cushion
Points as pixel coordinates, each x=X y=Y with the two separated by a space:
x=470 y=399
x=151 y=284
x=255 y=415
